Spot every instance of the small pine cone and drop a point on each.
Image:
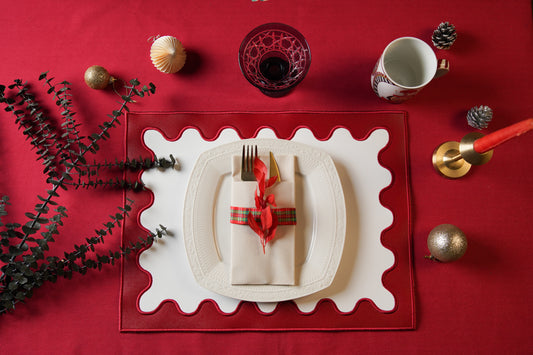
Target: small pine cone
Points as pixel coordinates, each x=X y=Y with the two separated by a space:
x=444 y=36
x=479 y=117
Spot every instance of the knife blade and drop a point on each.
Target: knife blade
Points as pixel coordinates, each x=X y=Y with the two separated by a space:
x=274 y=169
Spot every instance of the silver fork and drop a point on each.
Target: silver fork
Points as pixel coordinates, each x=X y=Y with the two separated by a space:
x=249 y=153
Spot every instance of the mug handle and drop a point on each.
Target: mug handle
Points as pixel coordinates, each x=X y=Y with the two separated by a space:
x=443 y=68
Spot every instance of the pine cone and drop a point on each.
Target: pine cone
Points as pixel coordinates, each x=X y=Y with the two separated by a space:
x=479 y=117
x=444 y=36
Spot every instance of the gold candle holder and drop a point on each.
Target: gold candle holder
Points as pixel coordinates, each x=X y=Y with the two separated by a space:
x=454 y=159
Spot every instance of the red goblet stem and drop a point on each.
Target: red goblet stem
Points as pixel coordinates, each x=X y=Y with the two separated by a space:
x=491 y=141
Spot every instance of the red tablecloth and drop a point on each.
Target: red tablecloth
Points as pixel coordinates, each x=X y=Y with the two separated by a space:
x=478 y=304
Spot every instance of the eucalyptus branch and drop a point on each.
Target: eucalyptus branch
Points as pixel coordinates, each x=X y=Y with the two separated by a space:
x=136 y=185
x=89 y=171
x=33 y=122
x=63 y=100
x=135 y=164
x=92 y=147
x=23 y=276
x=22 y=252
x=80 y=251
x=111 y=257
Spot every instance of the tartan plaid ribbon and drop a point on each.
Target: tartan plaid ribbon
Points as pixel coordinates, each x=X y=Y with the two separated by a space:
x=285 y=216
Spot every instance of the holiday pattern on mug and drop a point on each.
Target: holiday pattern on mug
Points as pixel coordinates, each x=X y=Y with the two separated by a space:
x=386 y=89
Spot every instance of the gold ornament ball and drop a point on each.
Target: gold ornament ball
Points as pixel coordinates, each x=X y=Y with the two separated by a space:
x=97 y=77
x=446 y=243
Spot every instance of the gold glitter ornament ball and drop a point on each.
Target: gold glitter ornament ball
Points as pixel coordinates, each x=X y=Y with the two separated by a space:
x=97 y=77
x=446 y=243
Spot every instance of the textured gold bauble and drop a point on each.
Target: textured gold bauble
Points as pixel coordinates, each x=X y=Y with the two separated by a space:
x=446 y=243
x=97 y=77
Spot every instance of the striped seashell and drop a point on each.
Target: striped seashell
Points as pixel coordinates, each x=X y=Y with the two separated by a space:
x=168 y=54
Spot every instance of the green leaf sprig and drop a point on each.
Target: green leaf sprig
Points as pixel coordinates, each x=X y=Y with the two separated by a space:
x=24 y=264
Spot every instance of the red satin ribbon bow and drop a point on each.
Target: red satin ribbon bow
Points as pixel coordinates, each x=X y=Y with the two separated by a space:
x=266 y=226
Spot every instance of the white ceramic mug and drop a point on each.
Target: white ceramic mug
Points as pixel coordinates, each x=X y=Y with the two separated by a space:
x=405 y=67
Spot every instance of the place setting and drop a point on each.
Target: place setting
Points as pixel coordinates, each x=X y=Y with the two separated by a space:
x=342 y=245
x=262 y=255
x=288 y=218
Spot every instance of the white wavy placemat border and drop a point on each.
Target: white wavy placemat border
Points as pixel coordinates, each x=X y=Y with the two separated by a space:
x=364 y=258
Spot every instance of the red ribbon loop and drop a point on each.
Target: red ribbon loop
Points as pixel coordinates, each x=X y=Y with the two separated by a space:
x=263 y=219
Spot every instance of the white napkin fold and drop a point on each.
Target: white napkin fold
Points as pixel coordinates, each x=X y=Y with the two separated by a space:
x=249 y=265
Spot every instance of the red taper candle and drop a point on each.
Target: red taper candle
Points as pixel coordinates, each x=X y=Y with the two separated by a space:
x=491 y=141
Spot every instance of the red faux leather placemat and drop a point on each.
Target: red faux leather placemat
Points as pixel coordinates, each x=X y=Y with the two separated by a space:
x=398 y=279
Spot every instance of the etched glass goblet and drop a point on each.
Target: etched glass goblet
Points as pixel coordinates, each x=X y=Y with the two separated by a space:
x=274 y=57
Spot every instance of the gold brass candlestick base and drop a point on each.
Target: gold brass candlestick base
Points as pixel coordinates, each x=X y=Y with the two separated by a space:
x=454 y=159
x=448 y=162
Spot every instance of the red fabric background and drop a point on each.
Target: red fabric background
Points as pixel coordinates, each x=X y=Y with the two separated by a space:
x=478 y=304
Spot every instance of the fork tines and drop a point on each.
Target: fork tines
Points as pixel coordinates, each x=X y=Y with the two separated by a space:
x=249 y=153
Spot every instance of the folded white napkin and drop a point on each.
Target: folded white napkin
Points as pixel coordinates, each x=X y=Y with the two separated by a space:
x=249 y=265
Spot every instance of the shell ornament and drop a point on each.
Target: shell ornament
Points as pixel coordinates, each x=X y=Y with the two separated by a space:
x=168 y=54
